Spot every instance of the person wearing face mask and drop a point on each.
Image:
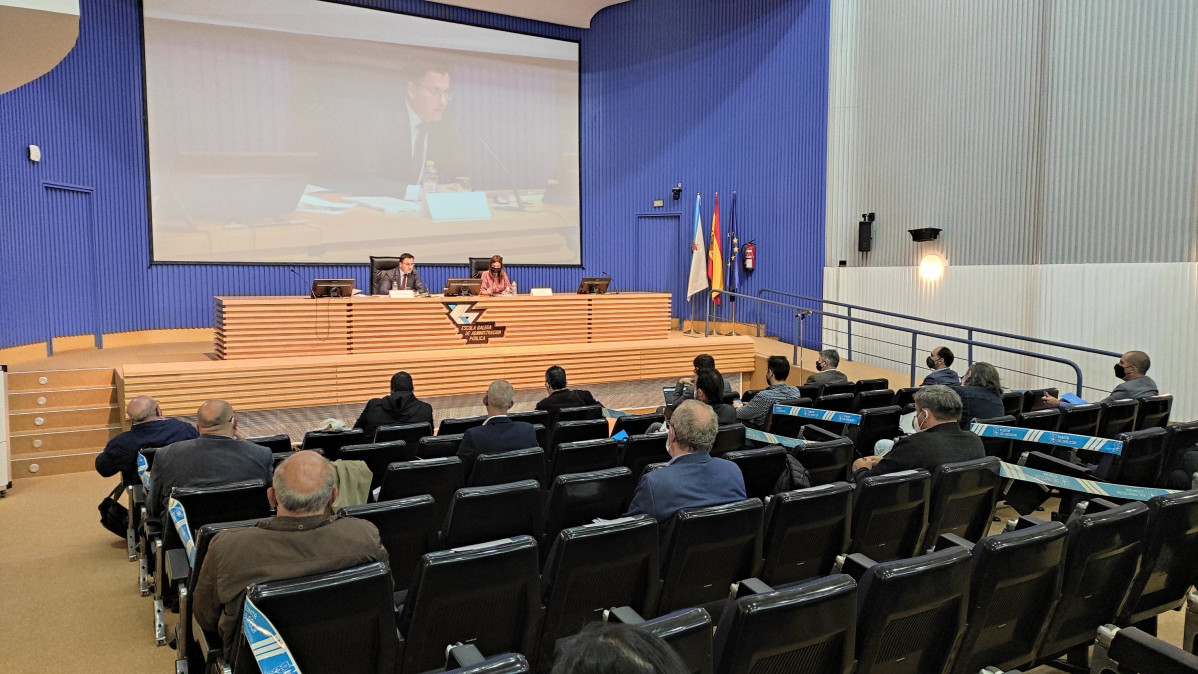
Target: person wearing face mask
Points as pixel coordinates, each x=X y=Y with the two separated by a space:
x=981 y=394
x=938 y=438
x=940 y=362
x=496 y=281
x=826 y=372
x=1132 y=368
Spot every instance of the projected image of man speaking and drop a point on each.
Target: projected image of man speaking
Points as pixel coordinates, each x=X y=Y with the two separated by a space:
x=432 y=137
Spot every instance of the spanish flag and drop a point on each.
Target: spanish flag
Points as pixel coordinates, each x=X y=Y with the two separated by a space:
x=715 y=253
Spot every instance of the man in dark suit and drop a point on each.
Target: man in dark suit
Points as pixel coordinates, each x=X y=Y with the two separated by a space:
x=692 y=478
x=431 y=136
x=940 y=363
x=498 y=433
x=826 y=372
x=560 y=396
x=938 y=438
x=400 y=407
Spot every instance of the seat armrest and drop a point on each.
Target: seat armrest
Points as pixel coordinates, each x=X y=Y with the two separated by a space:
x=624 y=615
x=462 y=655
x=208 y=641
x=1098 y=505
x=817 y=434
x=749 y=586
x=946 y=541
x=178 y=566
x=1025 y=522
x=855 y=565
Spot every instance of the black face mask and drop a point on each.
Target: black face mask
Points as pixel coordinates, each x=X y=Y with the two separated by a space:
x=496 y=270
x=931 y=363
x=819 y=367
x=1119 y=371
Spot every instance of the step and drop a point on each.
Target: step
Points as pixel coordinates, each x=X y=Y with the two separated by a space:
x=73 y=419
x=55 y=464
x=61 y=442
x=34 y=401
x=59 y=380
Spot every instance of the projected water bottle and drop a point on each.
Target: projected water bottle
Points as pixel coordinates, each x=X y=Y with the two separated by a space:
x=428 y=183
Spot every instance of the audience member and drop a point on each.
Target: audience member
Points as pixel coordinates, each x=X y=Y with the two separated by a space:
x=400 y=407
x=614 y=648
x=561 y=397
x=756 y=411
x=685 y=388
x=938 y=438
x=692 y=477
x=498 y=433
x=709 y=389
x=148 y=429
x=981 y=394
x=214 y=458
x=940 y=362
x=826 y=372
x=1132 y=368
x=304 y=538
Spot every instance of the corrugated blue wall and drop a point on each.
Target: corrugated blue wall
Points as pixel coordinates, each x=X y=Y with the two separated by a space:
x=716 y=95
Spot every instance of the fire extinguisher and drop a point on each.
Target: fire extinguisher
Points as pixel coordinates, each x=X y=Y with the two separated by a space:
x=750 y=256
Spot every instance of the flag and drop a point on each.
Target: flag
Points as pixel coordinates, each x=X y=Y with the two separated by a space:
x=734 y=268
x=698 y=278
x=715 y=253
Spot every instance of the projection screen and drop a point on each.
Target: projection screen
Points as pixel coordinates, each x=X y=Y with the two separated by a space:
x=302 y=131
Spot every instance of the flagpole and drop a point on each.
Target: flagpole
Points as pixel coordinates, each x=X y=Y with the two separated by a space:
x=728 y=275
x=691 y=330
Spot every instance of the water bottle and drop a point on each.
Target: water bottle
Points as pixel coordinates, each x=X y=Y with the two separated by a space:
x=428 y=182
x=514 y=290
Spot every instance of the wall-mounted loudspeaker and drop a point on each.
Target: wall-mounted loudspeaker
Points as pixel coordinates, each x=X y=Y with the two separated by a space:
x=865 y=233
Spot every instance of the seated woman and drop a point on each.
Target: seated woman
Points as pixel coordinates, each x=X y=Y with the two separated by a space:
x=496 y=281
x=981 y=394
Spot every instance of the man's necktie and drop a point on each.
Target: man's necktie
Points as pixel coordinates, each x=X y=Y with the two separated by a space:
x=418 y=151
x=403 y=281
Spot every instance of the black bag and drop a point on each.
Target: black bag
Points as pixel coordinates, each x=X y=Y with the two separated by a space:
x=113 y=515
x=794 y=477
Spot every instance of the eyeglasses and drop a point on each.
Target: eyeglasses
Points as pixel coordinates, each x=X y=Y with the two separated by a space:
x=437 y=93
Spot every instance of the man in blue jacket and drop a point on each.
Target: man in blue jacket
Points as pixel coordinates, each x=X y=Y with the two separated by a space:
x=498 y=433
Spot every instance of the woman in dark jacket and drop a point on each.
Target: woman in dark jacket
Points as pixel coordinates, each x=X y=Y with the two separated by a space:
x=981 y=394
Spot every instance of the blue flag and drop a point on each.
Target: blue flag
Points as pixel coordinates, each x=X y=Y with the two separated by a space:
x=733 y=280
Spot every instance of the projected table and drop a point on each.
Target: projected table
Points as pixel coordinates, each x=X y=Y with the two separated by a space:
x=270 y=326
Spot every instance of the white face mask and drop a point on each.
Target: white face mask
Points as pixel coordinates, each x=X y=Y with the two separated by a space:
x=917 y=423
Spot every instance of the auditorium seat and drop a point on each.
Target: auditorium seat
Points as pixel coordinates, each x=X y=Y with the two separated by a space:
x=1002 y=449
x=583 y=456
x=1035 y=399
x=826 y=462
x=641 y=450
x=809 y=391
x=531 y=417
x=1141 y=461
x=1180 y=439
x=377 y=456
x=579 y=498
x=512 y=466
x=890 y=513
x=875 y=398
x=506 y=663
x=879 y=384
x=438 y=446
x=760 y=467
x=1130 y=650
x=838 y=402
x=1118 y=416
x=1041 y=420
x=805 y=530
x=488 y=595
x=542 y=434
x=728 y=438
x=687 y=631
x=1012 y=402
x=581 y=413
x=330 y=442
x=279 y=457
x=460 y=425
x=404 y=527
x=1154 y=412
x=786 y=425
x=706 y=549
x=593 y=567
x=1079 y=420
x=837 y=388
x=275 y=443
x=636 y=424
x=964 y=495
x=576 y=430
x=905 y=396
x=1024 y=497
x=806 y=629
x=409 y=433
x=1015 y=581
x=480 y=514
x=1170 y=562
x=439 y=478
x=878 y=423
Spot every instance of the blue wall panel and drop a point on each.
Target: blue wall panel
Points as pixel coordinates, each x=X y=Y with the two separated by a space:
x=719 y=96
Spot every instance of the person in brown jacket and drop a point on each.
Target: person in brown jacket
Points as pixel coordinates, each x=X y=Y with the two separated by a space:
x=304 y=538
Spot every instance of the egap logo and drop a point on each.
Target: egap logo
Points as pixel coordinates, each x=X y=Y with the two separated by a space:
x=470 y=327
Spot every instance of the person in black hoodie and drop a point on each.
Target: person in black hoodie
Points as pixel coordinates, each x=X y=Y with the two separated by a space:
x=401 y=407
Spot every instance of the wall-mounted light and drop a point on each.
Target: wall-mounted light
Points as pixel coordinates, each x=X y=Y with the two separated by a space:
x=931 y=267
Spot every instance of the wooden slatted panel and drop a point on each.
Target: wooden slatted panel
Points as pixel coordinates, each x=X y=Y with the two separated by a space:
x=266 y=327
x=273 y=383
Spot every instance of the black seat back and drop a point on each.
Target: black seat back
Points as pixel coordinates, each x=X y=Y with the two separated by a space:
x=542 y=436
x=786 y=425
x=460 y=425
x=707 y=549
x=906 y=396
x=1154 y=412
x=404 y=526
x=890 y=513
x=1141 y=461
x=642 y=450
x=826 y=462
x=1118 y=416
x=584 y=456
x=873 y=398
x=1035 y=398
x=1001 y=448
x=1041 y=420
x=439 y=478
x=202 y=539
x=729 y=438
x=1012 y=402
x=878 y=384
x=275 y=443
x=963 y=498
x=760 y=467
x=409 y=433
x=880 y=423
x=578 y=498
x=531 y=417
x=377 y=456
x=225 y=503
x=488 y=595
x=636 y=424
x=597 y=566
x=479 y=514
x=808 y=391
x=911 y=613
x=836 y=402
x=1170 y=562
x=438 y=446
x=1015 y=582
x=1080 y=419
x=578 y=430
x=581 y=413
x=330 y=442
x=1179 y=439
x=808 y=629
x=805 y=530
x=688 y=632
x=279 y=457
x=838 y=387
x=512 y=466
x=1134 y=651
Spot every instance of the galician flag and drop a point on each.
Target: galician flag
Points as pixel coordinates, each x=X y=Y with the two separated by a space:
x=698 y=278
x=715 y=253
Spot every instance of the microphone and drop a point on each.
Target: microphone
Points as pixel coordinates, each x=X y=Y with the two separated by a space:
x=293 y=271
x=610 y=284
x=512 y=181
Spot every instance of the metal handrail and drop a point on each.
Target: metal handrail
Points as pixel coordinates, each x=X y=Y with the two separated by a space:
x=802 y=312
x=970 y=329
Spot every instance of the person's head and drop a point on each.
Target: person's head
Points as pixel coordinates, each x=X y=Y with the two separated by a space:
x=1132 y=365
x=499 y=397
x=497 y=265
x=305 y=484
x=692 y=428
x=407 y=263
x=555 y=378
x=142 y=409
x=615 y=648
x=935 y=405
x=704 y=361
x=941 y=357
x=401 y=381
x=984 y=375
x=709 y=386
x=215 y=417
x=828 y=360
x=429 y=92
x=777 y=370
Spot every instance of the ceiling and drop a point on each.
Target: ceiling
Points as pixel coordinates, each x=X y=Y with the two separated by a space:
x=576 y=13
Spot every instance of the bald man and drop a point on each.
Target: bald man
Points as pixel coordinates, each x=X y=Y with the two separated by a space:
x=1132 y=368
x=148 y=428
x=215 y=458
x=304 y=538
